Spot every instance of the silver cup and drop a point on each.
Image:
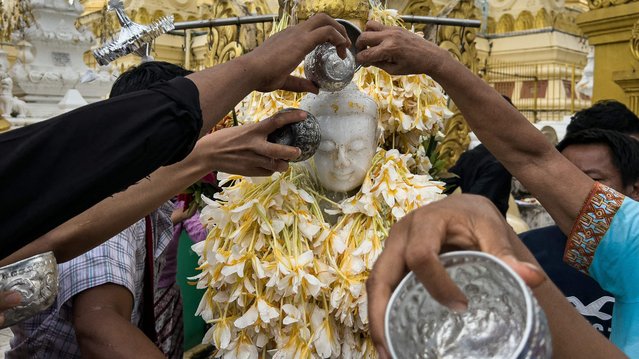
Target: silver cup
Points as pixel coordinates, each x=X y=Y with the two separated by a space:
x=503 y=319
x=327 y=70
x=36 y=279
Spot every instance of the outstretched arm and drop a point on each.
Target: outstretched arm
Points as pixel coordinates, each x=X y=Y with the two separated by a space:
x=266 y=68
x=239 y=150
x=514 y=141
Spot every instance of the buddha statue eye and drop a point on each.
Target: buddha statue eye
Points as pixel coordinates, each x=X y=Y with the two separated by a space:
x=327 y=146
x=357 y=145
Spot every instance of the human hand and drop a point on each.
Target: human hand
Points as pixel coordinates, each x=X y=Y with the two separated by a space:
x=397 y=50
x=415 y=242
x=244 y=149
x=180 y=214
x=281 y=53
x=8 y=300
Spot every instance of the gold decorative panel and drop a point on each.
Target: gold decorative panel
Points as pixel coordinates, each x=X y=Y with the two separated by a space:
x=598 y=4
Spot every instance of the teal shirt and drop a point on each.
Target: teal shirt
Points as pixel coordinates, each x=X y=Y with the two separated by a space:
x=615 y=266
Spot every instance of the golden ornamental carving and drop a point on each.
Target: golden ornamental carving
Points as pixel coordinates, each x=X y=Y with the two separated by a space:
x=525 y=21
x=460 y=42
x=354 y=10
x=542 y=19
x=224 y=43
x=634 y=41
x=599 y=4
x=505 y=24
x=456 y=139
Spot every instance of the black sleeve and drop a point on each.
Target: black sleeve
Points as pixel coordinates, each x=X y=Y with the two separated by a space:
x=54 y=170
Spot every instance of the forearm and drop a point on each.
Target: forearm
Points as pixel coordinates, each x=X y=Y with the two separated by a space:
x=565 y=322
x=221 y=87
x=516 y=143
x=112 y=215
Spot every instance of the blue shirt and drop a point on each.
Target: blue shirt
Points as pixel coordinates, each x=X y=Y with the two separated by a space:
x=604 y=243
x=616 y=267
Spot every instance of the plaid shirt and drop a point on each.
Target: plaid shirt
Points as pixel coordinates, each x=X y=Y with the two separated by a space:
x=120 y=261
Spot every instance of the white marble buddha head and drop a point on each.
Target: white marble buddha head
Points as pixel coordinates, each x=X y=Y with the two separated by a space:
x=348 y=122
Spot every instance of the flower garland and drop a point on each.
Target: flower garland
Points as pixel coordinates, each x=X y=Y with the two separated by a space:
x=278 y=276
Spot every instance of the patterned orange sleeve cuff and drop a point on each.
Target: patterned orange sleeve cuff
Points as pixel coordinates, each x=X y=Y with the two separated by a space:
x=591 y=225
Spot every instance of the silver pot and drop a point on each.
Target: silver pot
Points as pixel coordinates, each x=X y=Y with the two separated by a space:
x=36 y=279
x=503 y=319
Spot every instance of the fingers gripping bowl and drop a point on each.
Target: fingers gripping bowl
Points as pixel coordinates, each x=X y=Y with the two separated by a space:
x=36 y=279
x=503 y=319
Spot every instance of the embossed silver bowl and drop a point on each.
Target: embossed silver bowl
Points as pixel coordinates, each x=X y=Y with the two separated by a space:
x=36 y=279
x=305 y=135
x=503 y=319
x=327 y=70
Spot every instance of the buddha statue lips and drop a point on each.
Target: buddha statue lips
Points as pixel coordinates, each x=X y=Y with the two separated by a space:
x=348 y=124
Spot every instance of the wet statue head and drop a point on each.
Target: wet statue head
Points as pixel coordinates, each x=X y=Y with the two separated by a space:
x=348 y=122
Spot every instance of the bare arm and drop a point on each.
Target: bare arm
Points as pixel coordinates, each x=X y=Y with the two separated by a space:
x=514 y=141
x=266 y=68
x=239 y=150
x=102 y=323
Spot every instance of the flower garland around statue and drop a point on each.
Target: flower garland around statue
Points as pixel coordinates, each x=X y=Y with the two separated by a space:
x=281 y=279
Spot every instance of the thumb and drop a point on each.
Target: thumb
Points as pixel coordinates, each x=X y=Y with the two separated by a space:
x=298 y=84
x=282 y=118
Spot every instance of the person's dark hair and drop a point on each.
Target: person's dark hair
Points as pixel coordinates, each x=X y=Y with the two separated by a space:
x=144 y=75
x=624 y=149
x=607 y=115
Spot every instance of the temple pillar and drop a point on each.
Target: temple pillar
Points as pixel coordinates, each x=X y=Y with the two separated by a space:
x=609 y=26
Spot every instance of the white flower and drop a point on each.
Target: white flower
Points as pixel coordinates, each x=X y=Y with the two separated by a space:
x=219 y=334
x=325 y=340
x=266 y=311
x=293 y=314
x=248 y=318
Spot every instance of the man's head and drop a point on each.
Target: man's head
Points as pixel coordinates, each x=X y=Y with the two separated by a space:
x=607 y=115
x=144 y=75
x=609 y=157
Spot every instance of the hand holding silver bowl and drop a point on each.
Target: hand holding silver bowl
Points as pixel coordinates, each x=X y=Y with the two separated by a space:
x=36 y=279
x=503 y=319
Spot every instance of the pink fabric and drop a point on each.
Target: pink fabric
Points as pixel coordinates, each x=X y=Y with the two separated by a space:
x=196 y=232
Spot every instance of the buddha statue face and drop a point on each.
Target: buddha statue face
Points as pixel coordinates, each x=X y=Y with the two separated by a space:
x=348 y=122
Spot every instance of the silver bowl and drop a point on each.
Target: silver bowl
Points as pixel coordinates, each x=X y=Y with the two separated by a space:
x=503 y=319
x=36 y=279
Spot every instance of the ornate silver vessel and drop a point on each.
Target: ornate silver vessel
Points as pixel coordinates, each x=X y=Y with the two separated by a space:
x=36 y=279
x=133 y=37
x=327 y=70
x=503 y=319
x=305 y=135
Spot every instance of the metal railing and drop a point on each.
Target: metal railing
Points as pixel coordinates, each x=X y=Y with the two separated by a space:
x=254 y=19
x=542 y=92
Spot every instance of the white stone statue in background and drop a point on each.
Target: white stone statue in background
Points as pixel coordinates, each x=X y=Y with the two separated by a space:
x=585 y=85
x=10 y=106
x=348 y=122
